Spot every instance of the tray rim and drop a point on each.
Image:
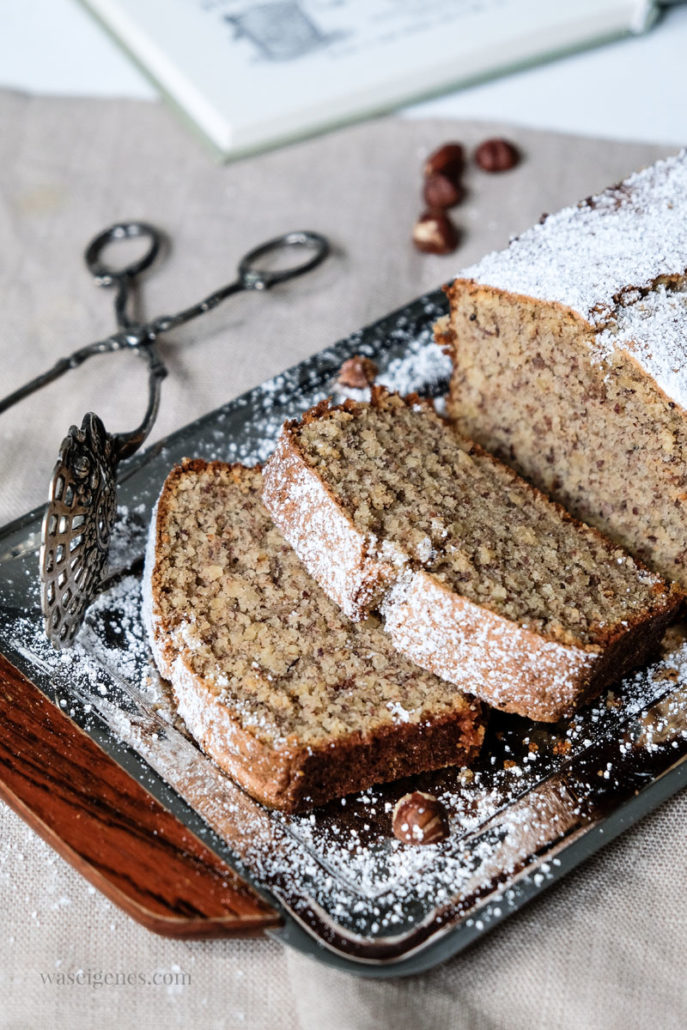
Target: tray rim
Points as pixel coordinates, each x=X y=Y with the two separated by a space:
x=295 y=931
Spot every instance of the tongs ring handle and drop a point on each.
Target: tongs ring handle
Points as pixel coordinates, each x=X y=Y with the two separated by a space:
x=253 y=275
x=103 y=273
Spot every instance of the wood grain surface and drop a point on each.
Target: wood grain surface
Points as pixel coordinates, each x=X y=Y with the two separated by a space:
x=110 y=828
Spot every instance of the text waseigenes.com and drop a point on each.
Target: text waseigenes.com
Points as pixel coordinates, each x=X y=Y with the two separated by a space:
x=110 y=978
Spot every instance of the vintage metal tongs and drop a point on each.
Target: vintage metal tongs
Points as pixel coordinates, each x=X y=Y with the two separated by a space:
x=82 y=503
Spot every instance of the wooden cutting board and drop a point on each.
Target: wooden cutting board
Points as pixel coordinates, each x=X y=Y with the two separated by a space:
x=111 y=829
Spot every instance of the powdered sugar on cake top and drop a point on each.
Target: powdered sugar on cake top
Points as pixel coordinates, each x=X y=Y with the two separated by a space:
x=654 y=331
x=586 y=256
x=602 y=257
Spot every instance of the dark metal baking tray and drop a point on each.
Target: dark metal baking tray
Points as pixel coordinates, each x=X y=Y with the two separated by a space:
x=541 y=800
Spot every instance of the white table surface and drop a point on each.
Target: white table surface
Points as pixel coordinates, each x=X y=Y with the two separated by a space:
x=631 y=89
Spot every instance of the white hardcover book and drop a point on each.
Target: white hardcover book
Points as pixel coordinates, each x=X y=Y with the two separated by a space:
x=256 y=73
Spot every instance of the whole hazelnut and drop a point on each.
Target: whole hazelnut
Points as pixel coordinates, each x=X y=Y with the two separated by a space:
x=418 y=818
x=441 y=191
x=497 y=155
x=357 y=372
x=435 y=233
x=448 y=160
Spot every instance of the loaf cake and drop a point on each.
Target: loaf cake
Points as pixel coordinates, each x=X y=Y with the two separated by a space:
x=479 y=577
x=570 y=360
x=294 y=701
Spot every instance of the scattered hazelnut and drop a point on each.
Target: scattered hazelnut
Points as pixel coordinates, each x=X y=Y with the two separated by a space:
x=497 y=155
x=447 y=160
x=435 y=233
x=418 y=818
x=357 y=372
x=440 y=191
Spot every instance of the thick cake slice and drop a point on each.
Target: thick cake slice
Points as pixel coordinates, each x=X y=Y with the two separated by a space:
x=294 y=701
x=570 y=360
x=481 y=579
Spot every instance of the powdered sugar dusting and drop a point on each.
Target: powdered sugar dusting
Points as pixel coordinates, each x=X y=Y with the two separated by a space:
x=422 y=366
x=481 y=652
x=586 y=256
x=339 y=871
x=654 y=331
x=319 y=531
x=501 y=659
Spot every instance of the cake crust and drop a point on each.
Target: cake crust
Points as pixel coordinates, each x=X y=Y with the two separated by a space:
x=287 y=772
x=294 y=778
x=507 y=665
x=569 y=352
x=324 y=537
x=513 y=669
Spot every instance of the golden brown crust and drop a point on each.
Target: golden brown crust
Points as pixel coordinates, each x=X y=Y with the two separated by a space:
x=480 y=651
x=581 y=418
x=294 y=778
x=519 y=671
x=357 y=579
x=288 y=774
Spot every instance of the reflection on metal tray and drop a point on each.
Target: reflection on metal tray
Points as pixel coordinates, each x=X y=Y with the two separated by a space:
x=541 y=800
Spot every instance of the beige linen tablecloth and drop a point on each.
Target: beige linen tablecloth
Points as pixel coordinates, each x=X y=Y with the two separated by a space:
x=603 y=949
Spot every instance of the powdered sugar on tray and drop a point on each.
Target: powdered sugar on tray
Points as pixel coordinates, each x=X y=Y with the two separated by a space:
x=339 y=867
x=423 y=367
x=338 y=870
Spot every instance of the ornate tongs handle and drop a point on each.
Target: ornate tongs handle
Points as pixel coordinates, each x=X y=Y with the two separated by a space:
x=82 y=501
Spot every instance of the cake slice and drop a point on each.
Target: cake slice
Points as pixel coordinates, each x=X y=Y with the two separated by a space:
x=480 y=578
x=294 y=701
x=570 y=360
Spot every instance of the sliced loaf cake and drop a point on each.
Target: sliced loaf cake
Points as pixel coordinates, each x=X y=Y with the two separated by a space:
x=480 y=578
x=294 y=701
x=570 y=360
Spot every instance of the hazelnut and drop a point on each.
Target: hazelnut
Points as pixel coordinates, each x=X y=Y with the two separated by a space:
x=357 y=372
x=497 y=155
x=418 y=818
x=435 y=233
x=440 y=191
x=447 y=160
